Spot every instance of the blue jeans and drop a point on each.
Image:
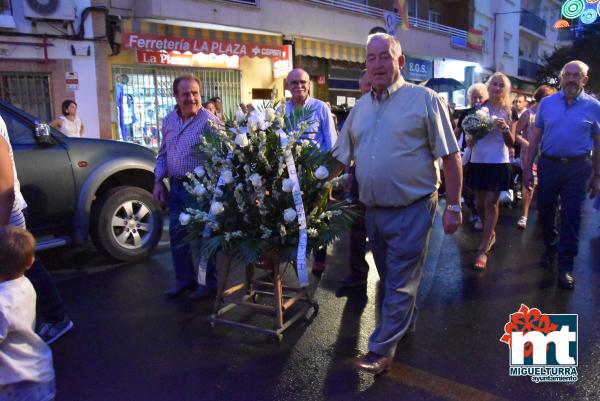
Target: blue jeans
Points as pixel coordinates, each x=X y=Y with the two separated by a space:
x=181 y=251
x=28 y=391
x=567 y=181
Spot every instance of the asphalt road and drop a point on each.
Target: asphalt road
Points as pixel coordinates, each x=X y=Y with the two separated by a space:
x=128 y=343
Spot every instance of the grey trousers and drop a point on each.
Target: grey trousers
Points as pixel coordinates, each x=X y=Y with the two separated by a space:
x=399 y=239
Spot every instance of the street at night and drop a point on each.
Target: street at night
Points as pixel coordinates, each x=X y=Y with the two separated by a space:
x=128 y=343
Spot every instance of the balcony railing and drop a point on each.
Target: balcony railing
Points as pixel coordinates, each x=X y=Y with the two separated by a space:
x=532 y=22
x=365 y=9
x=249 y=2
x=528 y=68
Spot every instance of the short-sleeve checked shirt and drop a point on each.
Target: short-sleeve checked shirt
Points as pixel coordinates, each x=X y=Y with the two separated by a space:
x=395 y=143
x=177 y=155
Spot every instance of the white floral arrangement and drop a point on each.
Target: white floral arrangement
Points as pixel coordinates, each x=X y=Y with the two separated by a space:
x=253 y=212
x=478 y=124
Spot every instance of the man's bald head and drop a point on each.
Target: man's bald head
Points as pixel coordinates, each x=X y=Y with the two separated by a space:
x=298 y=83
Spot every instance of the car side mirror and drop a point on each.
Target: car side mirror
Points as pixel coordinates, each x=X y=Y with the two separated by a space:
x=42 y=134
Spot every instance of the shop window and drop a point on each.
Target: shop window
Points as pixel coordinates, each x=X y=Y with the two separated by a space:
x=435 y=17
x=5 y=8
x=28 y=91
x=144 y=96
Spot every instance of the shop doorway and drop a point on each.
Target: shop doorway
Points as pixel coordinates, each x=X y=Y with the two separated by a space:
x=28 y=91
x=143 y=97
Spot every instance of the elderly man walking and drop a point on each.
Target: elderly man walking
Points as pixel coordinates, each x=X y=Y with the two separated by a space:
x=321 y=134
x=395 y=135
x=182 y=131
x=567 y=128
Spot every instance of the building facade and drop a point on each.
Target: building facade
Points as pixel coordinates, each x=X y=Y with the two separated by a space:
x=48 y=54
x=517 y=34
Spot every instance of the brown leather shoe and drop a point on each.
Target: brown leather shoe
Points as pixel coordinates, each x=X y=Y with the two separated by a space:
x=374 y=363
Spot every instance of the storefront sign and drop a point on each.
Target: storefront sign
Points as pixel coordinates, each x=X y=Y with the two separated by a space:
x=72 y=80
x=188 y=60
x=282 y=66
x=148 y=42
x=416 y=69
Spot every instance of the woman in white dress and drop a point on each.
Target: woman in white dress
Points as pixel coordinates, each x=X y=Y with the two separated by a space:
x=69 y=123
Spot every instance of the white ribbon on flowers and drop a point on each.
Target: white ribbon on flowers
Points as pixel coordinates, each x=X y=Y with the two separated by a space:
x=203 y=264
x=298 y=205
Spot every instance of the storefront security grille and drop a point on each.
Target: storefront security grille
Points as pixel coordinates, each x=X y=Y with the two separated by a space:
x=29 y=91
x=143 y=97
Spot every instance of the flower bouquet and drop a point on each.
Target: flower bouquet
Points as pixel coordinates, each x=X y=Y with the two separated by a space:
x=258 y=175
x=478 y=124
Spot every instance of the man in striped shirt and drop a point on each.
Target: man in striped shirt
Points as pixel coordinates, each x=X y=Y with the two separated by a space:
x=182 y=130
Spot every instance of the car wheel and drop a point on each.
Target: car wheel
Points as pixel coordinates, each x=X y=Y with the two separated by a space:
x=126 y=224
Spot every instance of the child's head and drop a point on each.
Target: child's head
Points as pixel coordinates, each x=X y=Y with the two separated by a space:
x=17 y=252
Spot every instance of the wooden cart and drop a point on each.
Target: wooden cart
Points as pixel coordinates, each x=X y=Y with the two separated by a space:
x=270 y=284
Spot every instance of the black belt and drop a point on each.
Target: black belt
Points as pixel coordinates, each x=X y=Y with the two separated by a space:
x=565 y=160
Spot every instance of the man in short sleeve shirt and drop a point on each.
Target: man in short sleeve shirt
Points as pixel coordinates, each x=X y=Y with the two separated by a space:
x=322 y=132
x=567 y=129
x=394 y=136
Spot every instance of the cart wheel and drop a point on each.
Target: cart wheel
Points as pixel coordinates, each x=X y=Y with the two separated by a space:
x=254 y=297
x=279 y=338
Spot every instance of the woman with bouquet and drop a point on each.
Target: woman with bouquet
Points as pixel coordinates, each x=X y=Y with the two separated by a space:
x=478 y=96
x=489 y=170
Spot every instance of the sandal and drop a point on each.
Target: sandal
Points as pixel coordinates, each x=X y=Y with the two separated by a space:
x=522 y=223
x=481 y=262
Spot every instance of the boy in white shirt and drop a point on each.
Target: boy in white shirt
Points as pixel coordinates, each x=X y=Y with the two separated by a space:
x=26 y=371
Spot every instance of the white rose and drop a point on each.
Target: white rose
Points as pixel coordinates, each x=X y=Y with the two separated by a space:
x=269 y=114
x=199 y=171
x=287 y=185
x=227 y=176
x=322 y=173
x=216 y=208
x=255 y=120
x=289 y=215
x=184 y=219
x=264 y=125
x=256 y=180
x=199 y=190
x=241 y=140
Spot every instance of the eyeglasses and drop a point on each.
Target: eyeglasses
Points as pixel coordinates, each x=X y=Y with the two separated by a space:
x=575 y=75
x=298 y=82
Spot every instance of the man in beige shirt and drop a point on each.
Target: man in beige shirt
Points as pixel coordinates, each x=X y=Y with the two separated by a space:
x=395 y=135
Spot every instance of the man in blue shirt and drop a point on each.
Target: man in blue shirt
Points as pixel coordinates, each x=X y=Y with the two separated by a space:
x=322 y=133
x=567 y=129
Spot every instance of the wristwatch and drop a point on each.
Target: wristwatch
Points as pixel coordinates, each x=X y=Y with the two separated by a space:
x=454 y=208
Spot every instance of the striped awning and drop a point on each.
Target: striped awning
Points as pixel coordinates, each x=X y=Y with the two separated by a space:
x=145 y=27
x=328 y=50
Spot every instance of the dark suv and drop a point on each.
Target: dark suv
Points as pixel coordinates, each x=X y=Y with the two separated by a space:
x=80 y=188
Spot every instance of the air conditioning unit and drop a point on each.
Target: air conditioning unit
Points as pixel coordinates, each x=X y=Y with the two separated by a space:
x=55 y=10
